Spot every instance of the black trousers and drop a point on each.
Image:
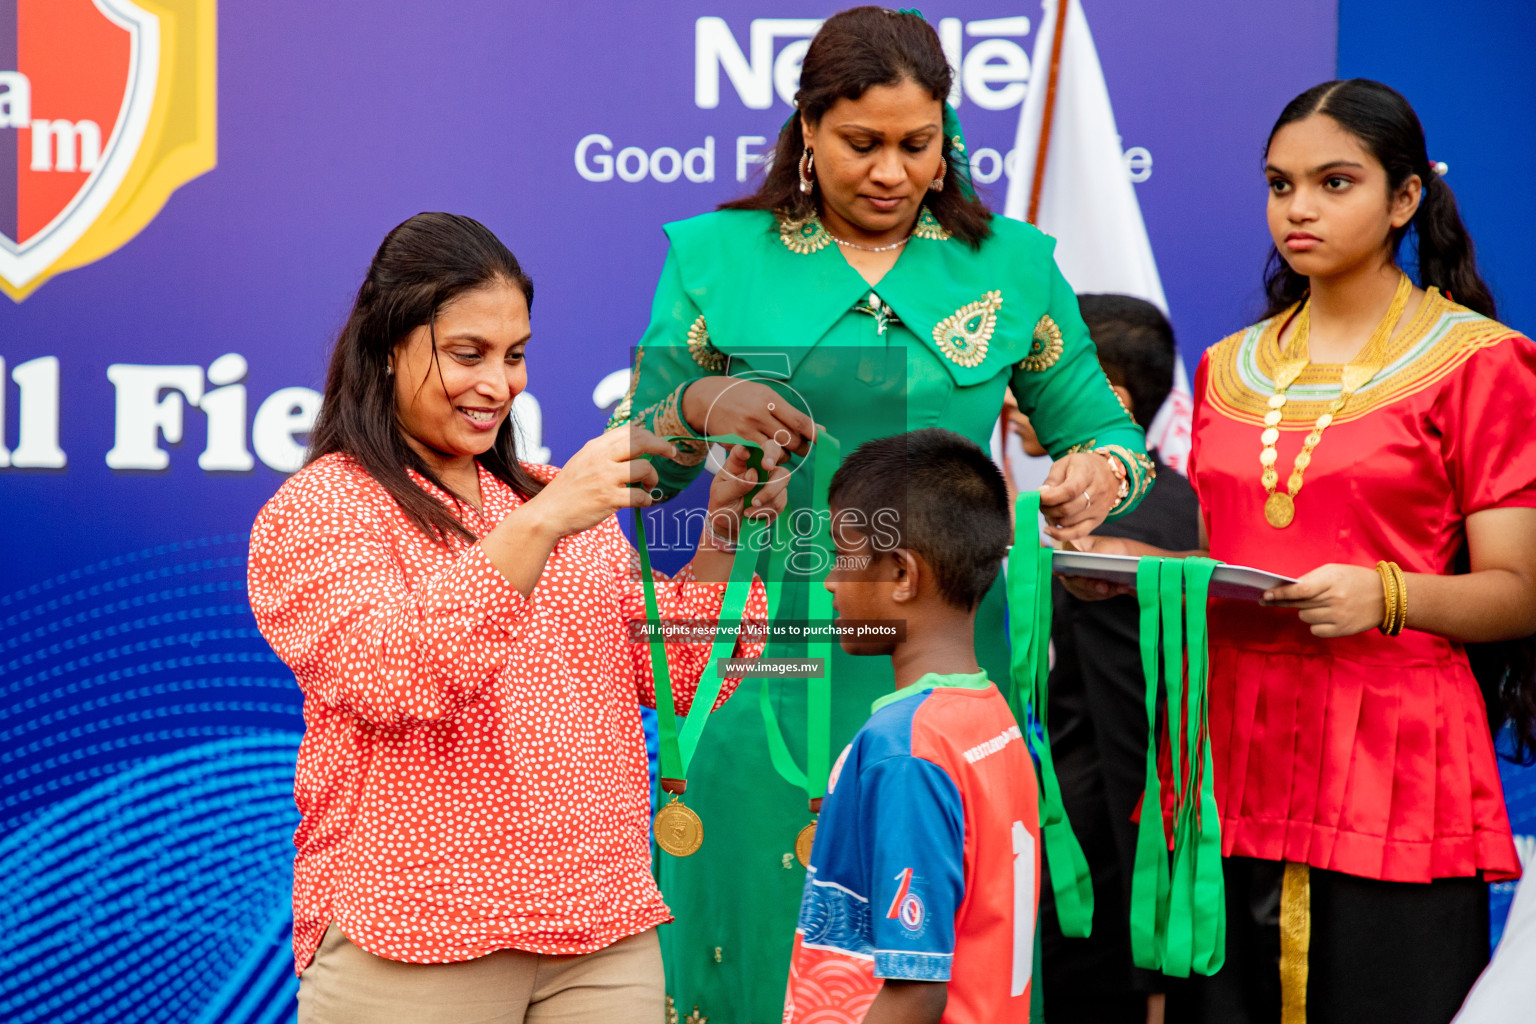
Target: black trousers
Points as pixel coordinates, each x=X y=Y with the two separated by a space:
x=1393 y=952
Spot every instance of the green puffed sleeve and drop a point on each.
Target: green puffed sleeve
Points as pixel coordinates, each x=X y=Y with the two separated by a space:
x=674 y=353
x=1062 y=389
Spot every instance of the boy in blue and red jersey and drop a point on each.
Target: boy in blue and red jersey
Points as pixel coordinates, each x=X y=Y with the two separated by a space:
x=919 y=904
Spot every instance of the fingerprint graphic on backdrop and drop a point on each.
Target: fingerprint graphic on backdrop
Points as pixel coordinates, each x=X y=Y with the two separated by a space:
x=147 y=742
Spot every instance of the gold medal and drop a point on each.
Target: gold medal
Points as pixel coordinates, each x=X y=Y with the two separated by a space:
x=678 y=829
x=803 y=843
x=1279 y=510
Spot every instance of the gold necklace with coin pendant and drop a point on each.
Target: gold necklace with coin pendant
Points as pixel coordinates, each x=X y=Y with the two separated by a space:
x=1280 y=506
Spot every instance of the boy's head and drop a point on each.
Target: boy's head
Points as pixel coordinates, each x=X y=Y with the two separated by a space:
x=920 y=525
x=1136 y=349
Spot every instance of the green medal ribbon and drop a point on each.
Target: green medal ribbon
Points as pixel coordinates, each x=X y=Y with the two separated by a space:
x=1029 y=629
x=778 y=749
x=826 y=455
x=1207 y=894
x=1149 y=881
x=1178 y=914
x=676 y=747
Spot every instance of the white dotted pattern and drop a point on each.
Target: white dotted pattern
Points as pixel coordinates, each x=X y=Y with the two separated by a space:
x=473 y=774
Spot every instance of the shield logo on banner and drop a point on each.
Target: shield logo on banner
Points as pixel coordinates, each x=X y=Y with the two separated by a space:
x=106 y=108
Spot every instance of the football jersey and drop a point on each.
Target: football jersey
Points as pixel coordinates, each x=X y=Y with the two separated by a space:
x=926 y=864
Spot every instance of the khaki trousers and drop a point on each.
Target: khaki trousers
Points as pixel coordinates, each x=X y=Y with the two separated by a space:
x=619 y=984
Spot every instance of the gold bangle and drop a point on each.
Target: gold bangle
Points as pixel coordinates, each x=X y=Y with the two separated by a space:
x=667 y=422
x=1134 y=471
x=1402 y=597
x=1389 y=599
x=1386 y=596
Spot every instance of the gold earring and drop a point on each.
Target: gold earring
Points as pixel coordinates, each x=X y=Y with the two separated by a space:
x=807 y=165
x=937 y=184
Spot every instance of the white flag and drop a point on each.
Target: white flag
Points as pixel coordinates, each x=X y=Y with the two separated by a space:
x=1087 y=200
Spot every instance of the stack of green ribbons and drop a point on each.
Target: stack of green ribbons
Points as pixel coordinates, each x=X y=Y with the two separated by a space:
x=1178 y=918
x=1178 y=914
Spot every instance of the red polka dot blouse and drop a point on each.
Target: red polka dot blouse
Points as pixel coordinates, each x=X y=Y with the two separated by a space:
x=473 y=774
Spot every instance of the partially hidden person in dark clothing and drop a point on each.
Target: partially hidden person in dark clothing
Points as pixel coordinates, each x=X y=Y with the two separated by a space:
x=1097 y=712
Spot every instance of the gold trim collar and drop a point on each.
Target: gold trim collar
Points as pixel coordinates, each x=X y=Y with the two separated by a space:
x=805 y=235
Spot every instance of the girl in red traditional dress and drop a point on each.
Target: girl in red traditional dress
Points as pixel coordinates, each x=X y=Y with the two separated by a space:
x=1371 y=438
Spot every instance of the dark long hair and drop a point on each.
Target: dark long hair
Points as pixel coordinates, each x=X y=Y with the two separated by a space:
x=421 y=266
x=1386 y=125
x=1506 y=674
x=856 y=49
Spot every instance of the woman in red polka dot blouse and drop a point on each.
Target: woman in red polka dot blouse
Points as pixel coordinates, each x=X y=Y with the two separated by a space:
x=473 y=786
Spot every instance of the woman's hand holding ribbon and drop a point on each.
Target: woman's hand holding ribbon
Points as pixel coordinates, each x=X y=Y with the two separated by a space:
x=1077 y=494
x=752 y=411
x=607 y=474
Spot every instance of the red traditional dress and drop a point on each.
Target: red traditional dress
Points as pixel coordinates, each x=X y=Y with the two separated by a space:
x=1367 y=755
x=473 y=775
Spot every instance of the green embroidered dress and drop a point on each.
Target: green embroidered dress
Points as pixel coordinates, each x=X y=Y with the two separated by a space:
x=934 y=343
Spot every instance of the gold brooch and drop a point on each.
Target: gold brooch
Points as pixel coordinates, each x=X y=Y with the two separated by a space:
x=928 y=226
x=705 y=354
x=963 y=335
x=1046 y=348
x=803 y=236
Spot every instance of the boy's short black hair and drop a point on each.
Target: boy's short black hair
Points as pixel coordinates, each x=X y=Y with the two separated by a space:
x=1136 y=348
x=949 y=502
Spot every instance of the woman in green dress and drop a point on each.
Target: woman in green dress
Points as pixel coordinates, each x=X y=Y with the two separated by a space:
x=866 y=290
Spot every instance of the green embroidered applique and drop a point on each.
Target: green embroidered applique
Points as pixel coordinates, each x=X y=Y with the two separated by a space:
x=1046 y=348
x=803 y=236
x=963 y=335
x=928 y=227
x=705 y=354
